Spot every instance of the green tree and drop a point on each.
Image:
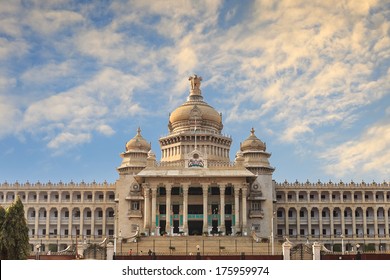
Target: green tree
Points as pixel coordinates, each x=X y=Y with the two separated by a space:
x=14 y=232
x=3 y=253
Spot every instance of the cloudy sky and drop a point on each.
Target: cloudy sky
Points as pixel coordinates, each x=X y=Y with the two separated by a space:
x=78 y=77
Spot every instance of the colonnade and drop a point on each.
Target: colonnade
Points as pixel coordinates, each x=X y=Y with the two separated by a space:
x=239 y=204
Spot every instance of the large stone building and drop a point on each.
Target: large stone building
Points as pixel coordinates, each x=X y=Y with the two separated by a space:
x=195 y=189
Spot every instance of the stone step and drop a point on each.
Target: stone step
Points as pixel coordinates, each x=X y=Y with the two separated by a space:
x=206 y=245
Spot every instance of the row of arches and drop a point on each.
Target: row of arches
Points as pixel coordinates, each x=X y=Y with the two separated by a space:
x=332 y=196
x=58 y=196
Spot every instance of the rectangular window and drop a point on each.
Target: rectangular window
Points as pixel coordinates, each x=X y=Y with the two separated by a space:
x=111 y=232
x=302 y=232
x=290 y=213
x=324 y=231
x=256 y=206
x=279 y=214
x=88 y=232
x=280 y=232
x=323 y=214
x=290 y=231
x=313 y=231
x=100 y=232
x=100 y=214
x=89 y=214
x=66 y=232
x=135 y=206
x=346 y=231
x=301 y=214
x=66 y=214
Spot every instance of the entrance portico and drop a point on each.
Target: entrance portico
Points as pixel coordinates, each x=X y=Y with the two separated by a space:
x=196 y=205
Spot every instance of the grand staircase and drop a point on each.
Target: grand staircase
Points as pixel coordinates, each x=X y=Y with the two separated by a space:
x=191 y=245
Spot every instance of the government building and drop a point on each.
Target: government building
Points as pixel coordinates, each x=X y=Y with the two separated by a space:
x=196 y=189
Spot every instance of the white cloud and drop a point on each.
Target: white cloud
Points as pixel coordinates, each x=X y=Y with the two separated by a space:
x=84 y=109
x=49 y=72
x=9 y=116
x=68 y=140
x=368 y=154
x=49 y=22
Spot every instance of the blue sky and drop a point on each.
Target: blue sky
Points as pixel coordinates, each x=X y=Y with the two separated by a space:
x=78 y=77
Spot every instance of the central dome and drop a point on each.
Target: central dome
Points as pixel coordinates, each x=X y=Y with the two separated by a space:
x=195 y=112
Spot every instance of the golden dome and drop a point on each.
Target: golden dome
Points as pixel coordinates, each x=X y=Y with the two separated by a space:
x=138 y=143
x=253 y=143
x=190 y=110
x=195 y=110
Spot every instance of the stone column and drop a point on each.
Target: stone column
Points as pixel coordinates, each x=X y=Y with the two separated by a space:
x=47 y=223
x=104 y=222
x=309 y=222
x=82 y=222
x=222 y=207
x=168 y=211
x=237 y=208
x=154 y=212
x=320 y=209
x=93 y=222
x=244 y=210
x=331 y=211
x=146 y=209
x=343 y=220
x=353 y=221
x=364 y=222
x=298 y=211
x=376 y=222
x=58 y=224
x=36 y=222
x=185 y=209
x=205 y=208
x=386 y=222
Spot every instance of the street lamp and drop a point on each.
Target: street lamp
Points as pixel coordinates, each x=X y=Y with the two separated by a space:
x=38 y=246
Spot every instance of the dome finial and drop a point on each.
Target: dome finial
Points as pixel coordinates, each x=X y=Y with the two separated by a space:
x=252 y=131
x=195 y=81
x=139 y=131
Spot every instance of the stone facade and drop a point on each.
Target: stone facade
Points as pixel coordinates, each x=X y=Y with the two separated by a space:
x=195 y=189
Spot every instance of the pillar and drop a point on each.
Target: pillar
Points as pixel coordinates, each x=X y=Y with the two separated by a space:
x=244 y=209
x=168 y=190
x=185 y=209
x=237 y=208
x=222 y=208
x=364 y=222
x=146 y=209
x=386 y=222
x=205 y=208
x=154 y=212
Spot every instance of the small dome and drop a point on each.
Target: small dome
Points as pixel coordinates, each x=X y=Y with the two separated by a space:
x=253 y=143
x=138 y=143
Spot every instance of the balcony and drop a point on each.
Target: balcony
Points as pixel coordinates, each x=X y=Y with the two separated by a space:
x=134 y=214
x=256 y=214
